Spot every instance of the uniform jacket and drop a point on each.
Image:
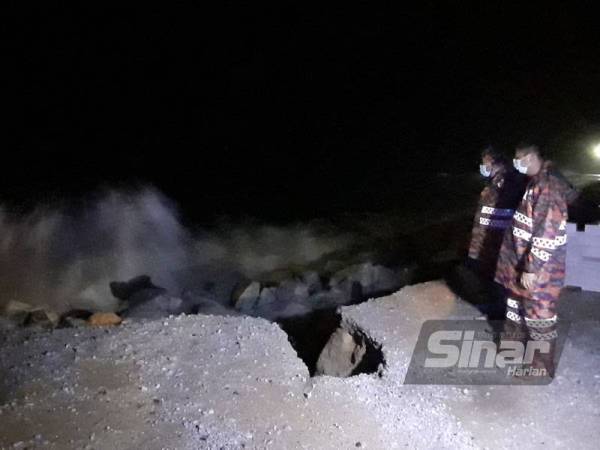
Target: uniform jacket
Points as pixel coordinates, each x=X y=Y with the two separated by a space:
x=536 y=240
x=494 y=214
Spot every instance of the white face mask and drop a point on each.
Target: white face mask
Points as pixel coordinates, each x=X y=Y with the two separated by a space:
x=483 y=170
x=518 y=163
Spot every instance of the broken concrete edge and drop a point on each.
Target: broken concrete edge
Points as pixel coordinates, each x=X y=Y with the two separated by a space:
x=395 y=321
x=390 y=325
x=342 y=353
x=351 y=350
x=372 y=360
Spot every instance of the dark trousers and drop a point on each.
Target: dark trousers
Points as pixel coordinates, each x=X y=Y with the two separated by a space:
x=491 y=295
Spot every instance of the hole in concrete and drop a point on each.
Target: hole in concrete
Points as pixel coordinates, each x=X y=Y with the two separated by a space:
x=347 y=354
x=372 y=360
x=309 y=333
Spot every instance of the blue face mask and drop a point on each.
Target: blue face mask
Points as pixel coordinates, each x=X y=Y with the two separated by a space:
x=518 y=163
x=484 y=170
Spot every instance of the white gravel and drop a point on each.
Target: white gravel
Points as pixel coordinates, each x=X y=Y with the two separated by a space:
x=235 y=382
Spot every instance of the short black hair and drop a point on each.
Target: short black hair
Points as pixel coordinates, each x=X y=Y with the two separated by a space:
x=496 y=156
x=528 y=147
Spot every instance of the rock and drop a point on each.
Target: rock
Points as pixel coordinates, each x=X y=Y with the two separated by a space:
x=329 y=299
x=204 y=303
x=341 y=355
x=290 y=310
x=17 y=312
x=349 y=291
x=75 y=318
x=73 y=322
x=153 y=303
x=77 y=314
x=156 y=306
x=288 y=299
x=268 y=301
x=20 y=313
x=43 y=318
x=277 y=276
x=313 y=281
x=292 y=291
x=123 y=290
x=212 y=281
x=214 y=308
x=103 y=319
x=248 y=297
x=238 y=290
x=374 y=279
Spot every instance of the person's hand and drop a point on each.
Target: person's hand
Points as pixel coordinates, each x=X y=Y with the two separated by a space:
x=528 y=280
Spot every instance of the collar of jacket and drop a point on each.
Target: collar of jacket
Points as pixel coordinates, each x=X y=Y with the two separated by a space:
x=547 y=167
x=499 y=175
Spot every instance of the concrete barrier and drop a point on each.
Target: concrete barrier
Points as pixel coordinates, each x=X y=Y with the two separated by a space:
x=583 y=257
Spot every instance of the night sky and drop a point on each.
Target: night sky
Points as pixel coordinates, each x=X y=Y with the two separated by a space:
x=243 y=108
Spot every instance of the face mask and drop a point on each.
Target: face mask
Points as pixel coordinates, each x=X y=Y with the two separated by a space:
x=483 y=170
x=518 y=163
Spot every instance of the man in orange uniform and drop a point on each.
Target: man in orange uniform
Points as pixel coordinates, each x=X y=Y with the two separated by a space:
x=502 y=192
x=531 y=265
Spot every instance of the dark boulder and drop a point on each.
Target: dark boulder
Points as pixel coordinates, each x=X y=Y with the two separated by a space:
x=123 y=290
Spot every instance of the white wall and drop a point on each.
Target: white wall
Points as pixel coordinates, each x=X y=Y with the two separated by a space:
x=583 y=257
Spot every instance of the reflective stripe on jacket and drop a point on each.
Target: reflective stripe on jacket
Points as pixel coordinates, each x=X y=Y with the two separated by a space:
x=536 y=241
x=495 y=210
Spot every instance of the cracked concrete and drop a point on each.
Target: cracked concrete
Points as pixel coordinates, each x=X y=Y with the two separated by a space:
x=232 y=382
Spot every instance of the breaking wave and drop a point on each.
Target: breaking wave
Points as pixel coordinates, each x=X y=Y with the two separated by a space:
x=64 y=257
